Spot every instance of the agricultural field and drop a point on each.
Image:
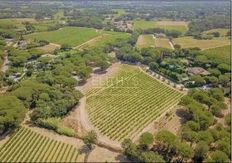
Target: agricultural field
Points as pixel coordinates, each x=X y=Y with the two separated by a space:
x=163 y=43
x=29 y=146
x=68 y=35
x=104 y=38
x=219 y=55
x=222 y=31
x=128 y=102
x=167 y=25
x=14 y=23
x=145 y=41
x=190 y=42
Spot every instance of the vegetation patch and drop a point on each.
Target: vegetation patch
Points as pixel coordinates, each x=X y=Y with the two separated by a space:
x=29 y=146
x=145 y=41
x=162 y=42
x=68 y=35
x=128 y=102
x=219 y=55
x=190 y=42
x=167 y=25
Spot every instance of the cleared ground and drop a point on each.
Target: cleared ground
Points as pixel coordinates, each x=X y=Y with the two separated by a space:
x=29 y=146
x=68 y=35
x=145 y=41
x=168 y=25
x=128 y=102
x=190 y=42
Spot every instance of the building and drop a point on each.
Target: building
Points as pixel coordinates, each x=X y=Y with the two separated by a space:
x=198 y=71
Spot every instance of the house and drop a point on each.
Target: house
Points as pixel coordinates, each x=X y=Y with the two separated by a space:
x=198 y=71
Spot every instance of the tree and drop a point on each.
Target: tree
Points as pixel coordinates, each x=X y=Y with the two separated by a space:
x=150 y=156
x=65 y=47
x=199 y=81
x=200 y=151
x=218 y=157
x=130 y=150
x=184 y=151
x=146 y=139
x=177 y=46
x=103 y=65
x=166 y=138
x=228 y=119
x=89 y=139
x=224 y=146
x=12 y=113
x=224 y=67
x=224 y=80
x=154 y=66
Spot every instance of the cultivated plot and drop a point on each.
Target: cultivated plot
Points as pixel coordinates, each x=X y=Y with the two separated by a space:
x=29 y=146
x=145 y=41
x=68 y=35
x=190 y=42
x=166 y=25
x=128 y=102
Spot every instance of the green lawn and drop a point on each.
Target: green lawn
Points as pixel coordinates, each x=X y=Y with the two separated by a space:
x=219 y=55
x=128 y=102
x=190 y=42
x=67 y=35
x=167 y=25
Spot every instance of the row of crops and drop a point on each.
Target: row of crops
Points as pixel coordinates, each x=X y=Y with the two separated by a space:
x=128 y=105
x=29 y=146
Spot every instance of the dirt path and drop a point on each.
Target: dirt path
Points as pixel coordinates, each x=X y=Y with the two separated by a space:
x=5 y=66
x=171 y=44
x=97 y=79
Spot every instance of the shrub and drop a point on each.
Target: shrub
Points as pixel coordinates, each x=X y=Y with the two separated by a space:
x=63 y=130
x=50 y=123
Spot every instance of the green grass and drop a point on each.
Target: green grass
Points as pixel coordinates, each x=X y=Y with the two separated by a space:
x=219 y=55
x=128 y=102
x=222 y=31
x=145 y=41
x=14 y=23
x=67 y=35
x=29 y=146
x=190 y=42
x=105 y=38
x=59 y=14
x=166 y=25
x=163 y=43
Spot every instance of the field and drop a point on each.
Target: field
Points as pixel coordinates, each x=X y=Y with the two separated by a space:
x=162 y=42
x=222 y=31
x=14 y=23
x=128 y=102
x=220 y=54
x=190 y=42
x=29 y=146
x=145 y=41
x=67 y=35
x=167 y=25
x=104 y=38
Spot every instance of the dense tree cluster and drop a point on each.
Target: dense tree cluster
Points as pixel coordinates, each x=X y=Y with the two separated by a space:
x=202 y=128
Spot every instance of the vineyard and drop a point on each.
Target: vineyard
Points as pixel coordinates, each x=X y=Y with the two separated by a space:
x=29 y=146
x=128 y=102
